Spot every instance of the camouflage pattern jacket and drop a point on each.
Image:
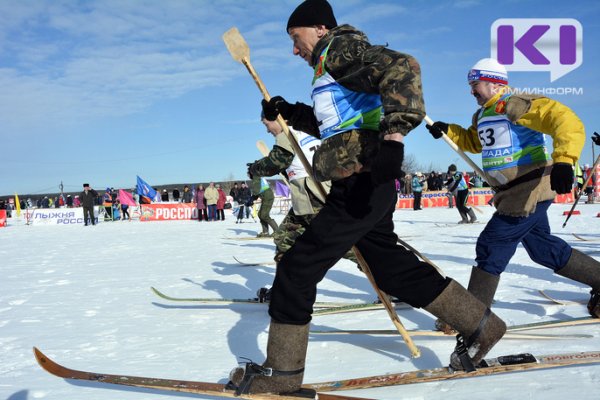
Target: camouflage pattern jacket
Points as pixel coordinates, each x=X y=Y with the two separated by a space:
x=361 y=67
x=306 y=198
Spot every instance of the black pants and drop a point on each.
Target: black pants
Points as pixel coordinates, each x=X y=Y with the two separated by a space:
x=220 y=215
x=356 y=213
x=202 y=215
x=461 y=201
x=417 y=200
x=88 y=213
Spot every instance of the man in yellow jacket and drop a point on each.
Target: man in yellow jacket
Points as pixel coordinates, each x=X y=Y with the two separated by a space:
x=509 y=131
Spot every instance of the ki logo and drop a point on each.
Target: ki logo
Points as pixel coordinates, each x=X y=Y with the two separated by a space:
x=538 y=44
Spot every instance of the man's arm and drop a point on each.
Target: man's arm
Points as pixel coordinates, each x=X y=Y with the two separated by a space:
x=277 y=161
x=561 y=123
x=396 y=77
x=465 y=139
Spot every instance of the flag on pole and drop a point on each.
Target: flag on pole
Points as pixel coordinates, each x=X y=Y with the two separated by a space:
x=17 y=205
x=126 y=198
x=146 y=192
x=282 y=189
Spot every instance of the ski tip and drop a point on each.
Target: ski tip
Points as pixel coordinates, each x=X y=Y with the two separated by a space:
x=40 y=357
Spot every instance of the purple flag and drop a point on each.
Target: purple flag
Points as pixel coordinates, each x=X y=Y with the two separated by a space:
x=282 y=189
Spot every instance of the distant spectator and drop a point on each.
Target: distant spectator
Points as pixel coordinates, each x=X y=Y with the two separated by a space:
x=125 y=212
x=200 y=203
x=165 y=195
x=234 y=191
x=107 y=202
x=87 y=198
x=211 y=195
x=187 y=194
x=176 y=195
x=243 y=198
x=408 y=184
x=417 y=188
x=116 y=210
x=69 y=201
x=221 y=203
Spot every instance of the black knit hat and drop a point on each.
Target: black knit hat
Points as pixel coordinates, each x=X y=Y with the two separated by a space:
x=312 y=12
x=452 y=168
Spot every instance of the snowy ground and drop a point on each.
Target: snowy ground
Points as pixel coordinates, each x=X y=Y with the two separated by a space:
x=82 y=295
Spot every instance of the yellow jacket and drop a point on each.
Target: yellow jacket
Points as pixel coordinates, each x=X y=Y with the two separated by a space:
x=542 y=115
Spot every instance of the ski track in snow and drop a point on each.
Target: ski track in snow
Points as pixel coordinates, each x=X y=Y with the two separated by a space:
x=82 y=295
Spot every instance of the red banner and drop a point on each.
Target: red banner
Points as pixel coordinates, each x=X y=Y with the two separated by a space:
x=168 y=212
x=2 y=218
x=477 y=197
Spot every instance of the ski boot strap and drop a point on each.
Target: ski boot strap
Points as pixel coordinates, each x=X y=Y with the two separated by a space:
x=253 y=370
x=462 y=347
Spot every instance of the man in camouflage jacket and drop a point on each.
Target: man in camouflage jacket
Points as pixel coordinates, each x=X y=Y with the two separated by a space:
x=366 y=99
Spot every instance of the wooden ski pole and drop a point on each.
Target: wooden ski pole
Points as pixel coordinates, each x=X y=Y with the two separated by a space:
x=461 y=153
x=264 y=150
x=240 y=51
x=585 y=184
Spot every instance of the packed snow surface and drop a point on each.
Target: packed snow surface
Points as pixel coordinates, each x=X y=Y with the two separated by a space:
x=82 y=295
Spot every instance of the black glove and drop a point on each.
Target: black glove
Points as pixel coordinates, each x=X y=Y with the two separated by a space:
x=438 y=129
x=277 y=105
x=249 y=165
x=250 y=201
x=596 y=138
x=561 y=178
x=388 y=163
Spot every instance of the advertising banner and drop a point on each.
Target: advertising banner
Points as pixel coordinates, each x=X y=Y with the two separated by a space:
x=168 y=212
x=477 y=197
x=58 y=216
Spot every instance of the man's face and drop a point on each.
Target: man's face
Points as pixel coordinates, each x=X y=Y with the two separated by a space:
x=483 y=91
x=304 y=39
x=273 y=127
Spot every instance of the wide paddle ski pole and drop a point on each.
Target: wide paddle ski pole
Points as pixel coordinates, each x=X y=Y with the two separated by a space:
x=240 y=51
x=585 y=184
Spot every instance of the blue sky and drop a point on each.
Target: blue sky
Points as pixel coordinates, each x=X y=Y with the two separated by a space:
x=102 y=91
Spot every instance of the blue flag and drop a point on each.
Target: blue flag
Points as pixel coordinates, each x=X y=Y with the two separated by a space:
x=145 y=191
